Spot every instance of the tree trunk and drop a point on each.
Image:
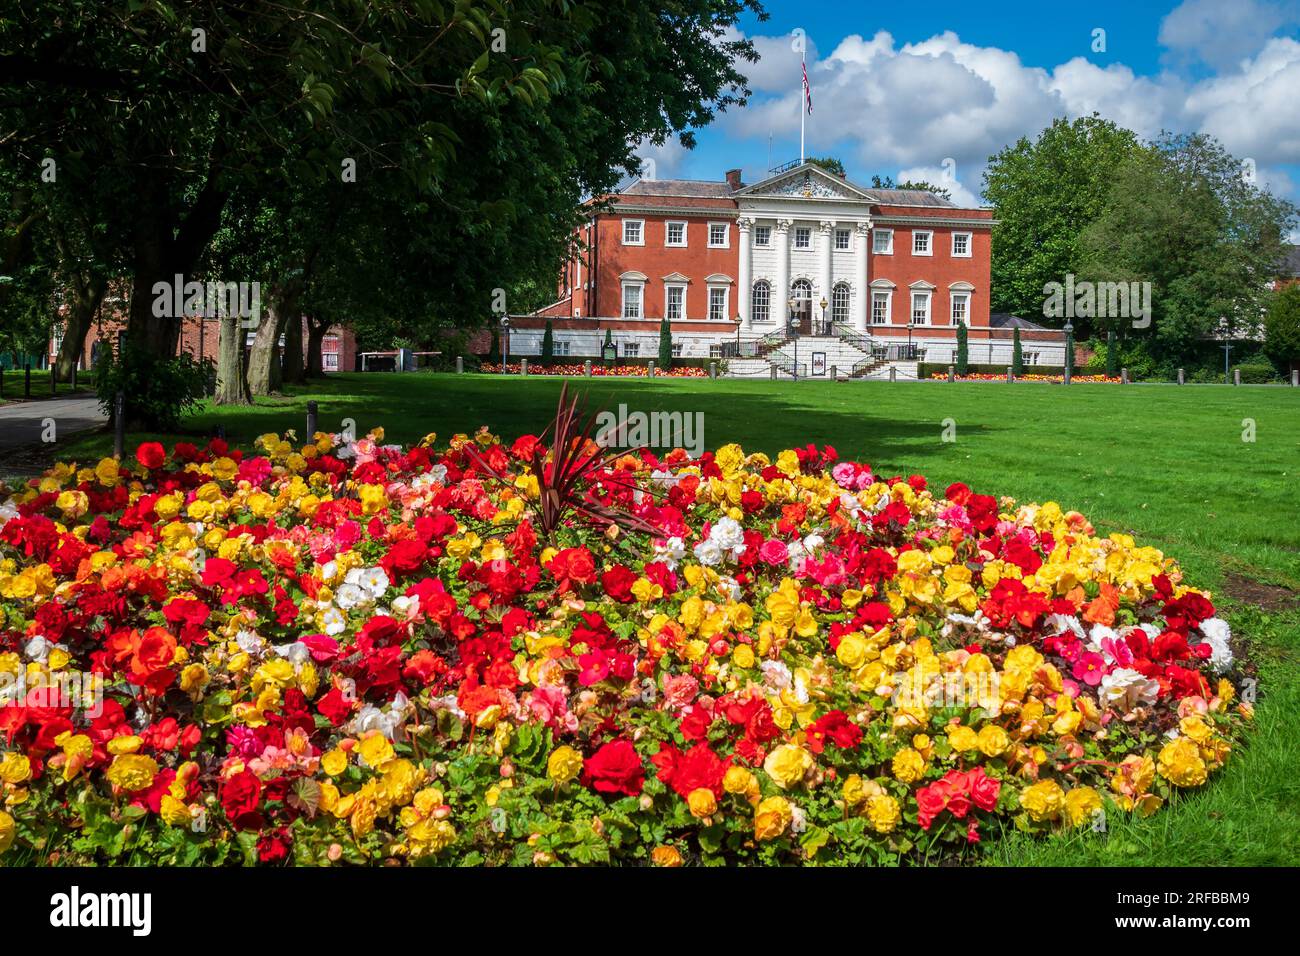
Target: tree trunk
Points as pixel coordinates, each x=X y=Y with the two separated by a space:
x=85 y=300
x=263 y=360
x=232 y=387
x=294 y=369
x=315 y=338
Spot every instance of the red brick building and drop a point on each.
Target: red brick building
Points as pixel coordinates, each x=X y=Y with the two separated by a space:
x=199 y=336
x=851 y=278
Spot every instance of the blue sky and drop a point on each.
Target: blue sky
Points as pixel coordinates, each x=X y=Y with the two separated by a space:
x=926 y=89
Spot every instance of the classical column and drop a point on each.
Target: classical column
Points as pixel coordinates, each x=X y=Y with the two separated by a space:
x=745 y=280
x=824 y=253
x=861 y=302
x=781 y=288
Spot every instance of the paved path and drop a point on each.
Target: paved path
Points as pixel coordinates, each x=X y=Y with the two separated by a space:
x=24 y=423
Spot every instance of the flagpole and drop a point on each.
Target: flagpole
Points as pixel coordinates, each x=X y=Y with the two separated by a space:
x=802 y=94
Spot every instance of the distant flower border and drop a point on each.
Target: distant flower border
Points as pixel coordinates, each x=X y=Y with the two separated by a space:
x=597 y=369
x=1029 y=377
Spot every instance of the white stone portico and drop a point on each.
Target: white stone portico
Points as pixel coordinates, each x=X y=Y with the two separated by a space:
x=816 y=228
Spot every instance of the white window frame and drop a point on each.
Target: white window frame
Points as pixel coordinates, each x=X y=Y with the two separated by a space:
x=640 y=224
x=668 y=234
x=848 y=302
x=888 y=296
x=969 y=241
x=964 y=299
x=926 y=296
x=676 y=349
x=726 y=302
x=848 y=240
x=888 y=236
x=668 y=291
x=806 y=232
x=640 y=300
x=763 y=236
x=753 y=314
x=631 y=349
x=562 y=347
x=726 y=235
x=929 y=241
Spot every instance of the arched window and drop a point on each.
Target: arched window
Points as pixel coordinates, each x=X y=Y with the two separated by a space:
x=840 y=303
x=761 y=302
x=801 y=292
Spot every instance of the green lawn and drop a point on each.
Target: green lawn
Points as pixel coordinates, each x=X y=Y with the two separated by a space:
x=1166 y=464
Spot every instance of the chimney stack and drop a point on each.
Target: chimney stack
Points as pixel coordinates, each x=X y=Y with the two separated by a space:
x=733 y=179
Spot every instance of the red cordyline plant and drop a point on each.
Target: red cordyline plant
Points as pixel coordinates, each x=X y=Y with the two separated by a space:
x=564 y=470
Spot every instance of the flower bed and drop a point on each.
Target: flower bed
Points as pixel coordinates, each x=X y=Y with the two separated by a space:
x=1028 y=377
x=359 y=653
x=570 y=368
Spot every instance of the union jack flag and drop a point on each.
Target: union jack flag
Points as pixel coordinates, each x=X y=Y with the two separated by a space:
x=807 y=90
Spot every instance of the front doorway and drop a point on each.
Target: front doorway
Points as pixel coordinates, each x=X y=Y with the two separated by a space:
x=801 y=307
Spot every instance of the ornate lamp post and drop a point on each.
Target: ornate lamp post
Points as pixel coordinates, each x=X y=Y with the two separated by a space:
x=505 y=343
x=909 y=340
x=825 y=328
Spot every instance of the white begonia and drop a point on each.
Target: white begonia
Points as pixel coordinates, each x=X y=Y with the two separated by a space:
x=1125 y=688
x=349 y=596
x=387 y=721
x=333 y=622
x=1217 y=633
x=373 y=580
x=671 y=552
x=250 y=643
x=8 y=511
x=296 y=653
x=776 y=675
x=709 y=553
x=729 y=535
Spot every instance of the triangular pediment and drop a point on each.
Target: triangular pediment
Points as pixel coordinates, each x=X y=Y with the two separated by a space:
x=808 y=181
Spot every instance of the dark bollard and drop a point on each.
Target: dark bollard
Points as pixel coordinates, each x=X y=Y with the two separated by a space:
x=72 y=382
x=27 y=381
x=311 y=421
x=54 y=382
x=119 y=425
x=2 y=383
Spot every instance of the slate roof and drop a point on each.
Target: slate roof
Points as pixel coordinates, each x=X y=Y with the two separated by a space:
x=1004 y=320
x=692 y=188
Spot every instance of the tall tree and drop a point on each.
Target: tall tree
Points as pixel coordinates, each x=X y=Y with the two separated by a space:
x=1044 y=193
x=1182 y=217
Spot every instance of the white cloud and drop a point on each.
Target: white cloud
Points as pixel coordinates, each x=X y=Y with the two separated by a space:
x=883 y=107
x=1221 y=33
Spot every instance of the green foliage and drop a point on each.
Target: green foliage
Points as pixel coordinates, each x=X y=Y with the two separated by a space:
x=494 y=350
x=665 y=345
x=1182 y=217
x=548 y=344
x=1017 y=355
x=887 y=182
x=1282 y=327
x=1257 y=373
x=1043 y=193
x=1111 y=355
x=158 y=392
x=830 y=164
x=963 y=349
